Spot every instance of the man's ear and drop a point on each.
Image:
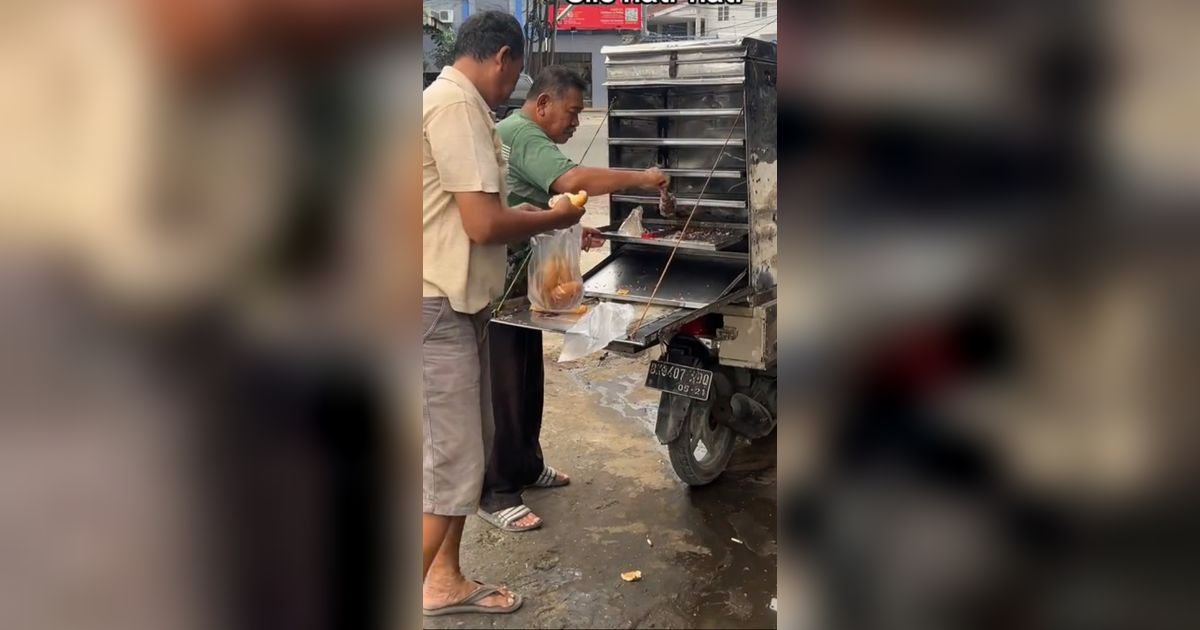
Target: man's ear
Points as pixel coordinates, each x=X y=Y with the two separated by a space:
x=543 y=99
x=503 y=55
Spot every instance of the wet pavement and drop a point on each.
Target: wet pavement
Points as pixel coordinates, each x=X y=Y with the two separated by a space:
x=625 y=509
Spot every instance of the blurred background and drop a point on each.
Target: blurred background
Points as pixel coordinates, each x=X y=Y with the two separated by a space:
x=208 y=212
x=208 y=272
x=990 y=209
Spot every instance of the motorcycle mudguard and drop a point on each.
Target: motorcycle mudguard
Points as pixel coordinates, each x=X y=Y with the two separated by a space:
x=672 y=413
x=673 y=410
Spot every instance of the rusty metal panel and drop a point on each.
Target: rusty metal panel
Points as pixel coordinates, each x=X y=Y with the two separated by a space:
x=763 y=166
x=754 y=332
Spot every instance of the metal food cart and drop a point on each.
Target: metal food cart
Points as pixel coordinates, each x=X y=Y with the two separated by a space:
x=705 y=113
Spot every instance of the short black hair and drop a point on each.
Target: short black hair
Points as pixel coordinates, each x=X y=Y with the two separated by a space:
x=556 y=80
x=485 y=33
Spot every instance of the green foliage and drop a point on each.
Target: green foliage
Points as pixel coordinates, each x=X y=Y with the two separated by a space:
x=443 y=51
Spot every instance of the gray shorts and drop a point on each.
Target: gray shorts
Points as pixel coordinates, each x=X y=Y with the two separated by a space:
x=456 y=408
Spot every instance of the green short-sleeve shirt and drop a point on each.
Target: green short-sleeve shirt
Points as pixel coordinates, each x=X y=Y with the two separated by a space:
x=534 y=162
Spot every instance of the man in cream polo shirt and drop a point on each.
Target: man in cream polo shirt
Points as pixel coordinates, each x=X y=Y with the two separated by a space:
x=466 y=225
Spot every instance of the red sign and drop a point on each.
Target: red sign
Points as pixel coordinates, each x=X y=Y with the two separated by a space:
x=619 y=15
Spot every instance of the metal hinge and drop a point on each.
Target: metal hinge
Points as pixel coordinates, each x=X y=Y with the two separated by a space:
x=726 y=333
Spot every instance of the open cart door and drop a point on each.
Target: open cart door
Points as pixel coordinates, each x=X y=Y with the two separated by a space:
x=693 y=286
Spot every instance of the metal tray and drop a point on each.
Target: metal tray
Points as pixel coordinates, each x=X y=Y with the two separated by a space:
x=692 y=281
x=709 y=237
x=516 y=312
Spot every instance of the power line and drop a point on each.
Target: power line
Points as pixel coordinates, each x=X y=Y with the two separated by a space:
x=761 y=23
x=769 y=18
x=758 y=29
x=766 y=20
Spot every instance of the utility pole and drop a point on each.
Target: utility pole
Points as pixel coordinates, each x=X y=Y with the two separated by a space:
x=553 y=29
x=541 y=24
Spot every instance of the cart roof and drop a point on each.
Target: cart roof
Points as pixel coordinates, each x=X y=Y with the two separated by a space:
x=683 y=46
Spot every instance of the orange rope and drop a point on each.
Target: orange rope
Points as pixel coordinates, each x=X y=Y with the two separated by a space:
x=679 y=238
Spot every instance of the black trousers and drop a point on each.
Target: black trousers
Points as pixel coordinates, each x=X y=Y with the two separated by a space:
x=517 y=390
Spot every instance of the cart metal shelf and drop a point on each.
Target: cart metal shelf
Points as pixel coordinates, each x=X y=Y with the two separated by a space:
x=677 y=142
x=709 y=237
x=695 y=172
x=655 y=113
x=683 y=203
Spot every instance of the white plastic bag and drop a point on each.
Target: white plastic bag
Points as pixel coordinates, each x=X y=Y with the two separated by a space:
x=632 y=225
x=600 y=326
x=555 y=280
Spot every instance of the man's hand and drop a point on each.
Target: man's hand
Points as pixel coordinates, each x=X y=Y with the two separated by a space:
x=489 y=222
x=565 y=213
x=653 y=177
x=592 y=238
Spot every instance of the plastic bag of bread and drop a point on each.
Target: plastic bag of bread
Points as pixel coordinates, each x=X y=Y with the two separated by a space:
x=555 y=282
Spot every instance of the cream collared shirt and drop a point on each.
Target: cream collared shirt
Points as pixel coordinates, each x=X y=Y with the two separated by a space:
x=462 y=153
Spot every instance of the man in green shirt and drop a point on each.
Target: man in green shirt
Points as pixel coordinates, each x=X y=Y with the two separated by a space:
x=537 y=170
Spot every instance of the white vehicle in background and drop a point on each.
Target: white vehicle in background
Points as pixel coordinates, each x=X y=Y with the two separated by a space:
x=514 y=102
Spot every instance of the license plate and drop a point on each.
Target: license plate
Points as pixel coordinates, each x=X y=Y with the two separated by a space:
x=679 y=379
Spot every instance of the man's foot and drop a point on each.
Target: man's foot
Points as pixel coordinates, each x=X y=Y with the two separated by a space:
x=550 y=478
x=529 y=521
x=440 y=593
x=518 y=518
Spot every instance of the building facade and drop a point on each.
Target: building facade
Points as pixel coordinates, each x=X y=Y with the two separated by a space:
x=582 y=31
x=580 y=51
x=453 y=13
x=458 y=10
x=753 y=18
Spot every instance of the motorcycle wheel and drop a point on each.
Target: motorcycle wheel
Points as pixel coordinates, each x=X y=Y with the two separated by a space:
x=704 y=445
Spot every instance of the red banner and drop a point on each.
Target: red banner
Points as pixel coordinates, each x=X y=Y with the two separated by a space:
x=607 y=17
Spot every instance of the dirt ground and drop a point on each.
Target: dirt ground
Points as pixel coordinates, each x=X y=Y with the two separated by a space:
x=625 y=509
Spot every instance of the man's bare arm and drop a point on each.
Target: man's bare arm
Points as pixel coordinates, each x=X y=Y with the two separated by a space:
x=489 y=222
x=523 y=207
x=605 y=181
